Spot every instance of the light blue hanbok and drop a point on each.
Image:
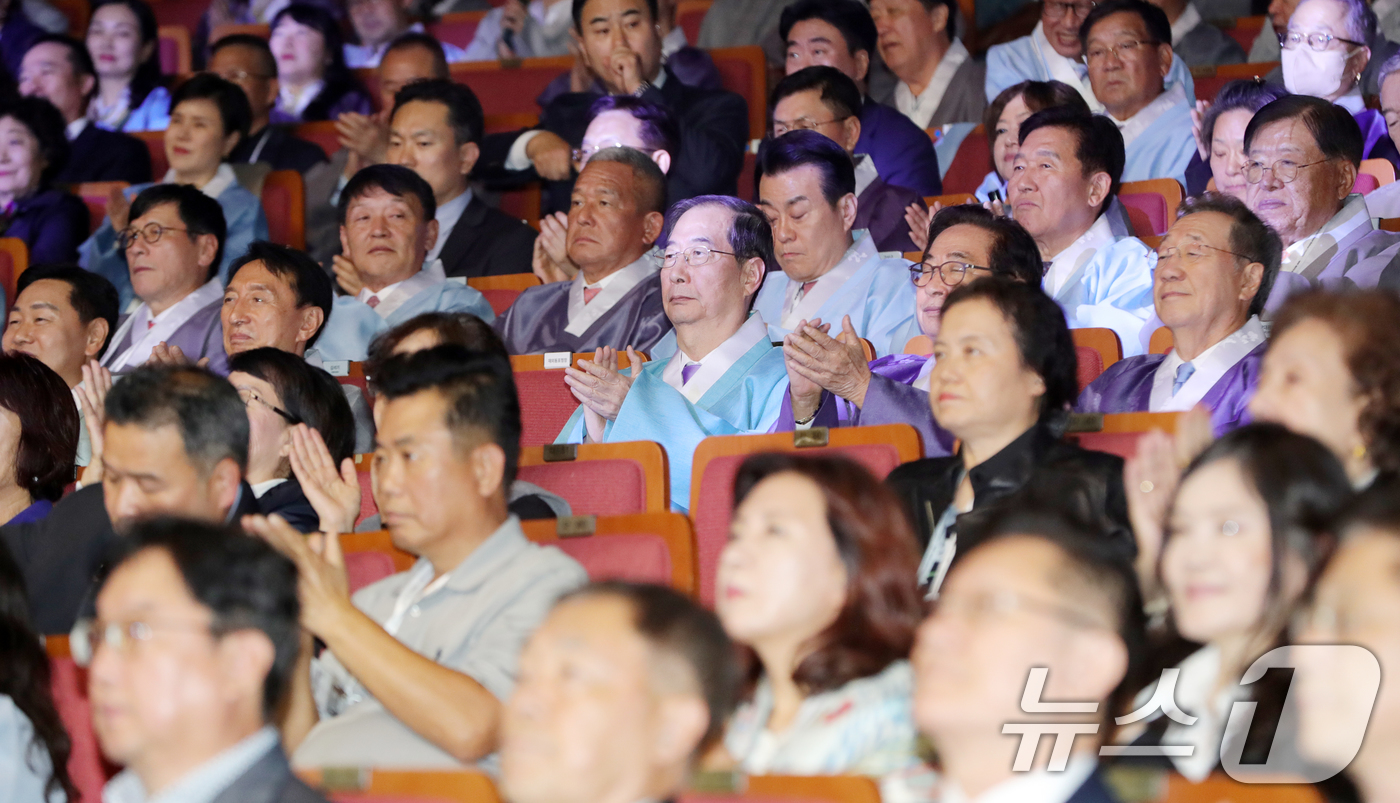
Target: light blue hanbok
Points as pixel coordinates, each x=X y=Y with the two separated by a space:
x=1031 y=58
x=1112 y=289
x=353 y=324
x=1165 y=145
x=874 y=290
x=745 y=400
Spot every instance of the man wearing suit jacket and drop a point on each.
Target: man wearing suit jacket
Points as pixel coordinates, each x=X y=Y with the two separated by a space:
x=620 y=43
x=435 y=131
x=246 y=60
x=176 y=443
x=59 y=69
x=190 y=715
x=1041 y=590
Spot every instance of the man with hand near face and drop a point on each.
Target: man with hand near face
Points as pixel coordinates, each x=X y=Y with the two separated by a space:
x=246 y=60
x=620 y=44
x=435 y=130
x=387 y=228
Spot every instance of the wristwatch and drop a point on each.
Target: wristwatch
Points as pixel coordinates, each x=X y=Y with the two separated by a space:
x=641 y=89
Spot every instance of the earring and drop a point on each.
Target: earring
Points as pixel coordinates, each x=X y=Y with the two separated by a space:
x=1358 y=451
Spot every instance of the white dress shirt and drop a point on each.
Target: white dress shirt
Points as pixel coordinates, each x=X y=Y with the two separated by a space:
x=1064 y=264
x=1210 y=365
x=920 y=107
x=866 y=172
x=714 y=365
x=796 y=310
x=1186 y=23
x=75 y=128
x=447 y=216
x=1134 y=126
x=294 y=103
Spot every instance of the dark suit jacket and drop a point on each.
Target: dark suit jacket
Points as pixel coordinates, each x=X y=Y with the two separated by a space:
x=52 y=224
x=289 y=501
x=282 y=150
x=101 y=155
x=487 y=242
x=1093 y=790
x=270 y=780
x=714 y=129
x=881 y=210
x=62 y=556
x=1207 y=46
x=1036 y=467
x=902 y=151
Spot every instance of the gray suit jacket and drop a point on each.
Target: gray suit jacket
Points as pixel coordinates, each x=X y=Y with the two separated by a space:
x=269 y=781
x=1207 y=46
x=963 y=102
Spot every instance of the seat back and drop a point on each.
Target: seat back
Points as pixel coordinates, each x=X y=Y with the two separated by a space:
x=372 y=556
x=1089 y=366
x=368 y=507
x=523 y=204
x=14 y=260
x=457 y=28
x=601 y=479
x=783 y=789
x=365 y=785
x=77 y=13
x=744 y=71
x=258 y=29
x=1209 y=80
x=950 y=199
x=284 y=203
x=717 y=460
x=690 y=15
x=1118 y=433
x=1244 y=30
x=1167 y=189
x=545 y=401
x=642 y=547
x=1365 y=184
x=1220 y=787
x=95 y=195
x=68 y=682
x=155 y=145
x=1104 y=341
x=501 y=291
x=1161 y=342
x=1147 y=212
x=921 y=345
x=322 y=133
x=174 y=49
x=972 y=163
x=1382 y=169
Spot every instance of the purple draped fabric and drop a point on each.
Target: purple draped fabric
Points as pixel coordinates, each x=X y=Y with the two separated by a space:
x=199 y=337
x=881 y=210
x=1126 y=387
x=35 y=512
x=535 y=323
x=891 y=398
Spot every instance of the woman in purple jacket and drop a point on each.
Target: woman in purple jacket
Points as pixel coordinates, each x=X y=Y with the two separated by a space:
x=33 y=149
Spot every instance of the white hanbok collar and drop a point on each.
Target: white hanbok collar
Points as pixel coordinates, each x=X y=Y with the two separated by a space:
x=1298 y=257
x=223 y=178
x=866 y=173
x=1064 y=264
x=153 y=329
x=716 y=364
x=1135 y=126
x=1186 y=23
x=399 y=293
x=795 y=311
x=1210 y=364
x=921 y=107
x=1059 y=68
x=611 y=290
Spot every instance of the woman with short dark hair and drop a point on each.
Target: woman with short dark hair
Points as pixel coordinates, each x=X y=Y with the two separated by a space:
x=1002 y=384
x=123 y=40
x=33 y=149
x=816 y=583
x=315 y=83
x=38 y=438
x=34 y=745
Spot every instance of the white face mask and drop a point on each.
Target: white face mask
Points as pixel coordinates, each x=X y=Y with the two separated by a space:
x=1320 y=74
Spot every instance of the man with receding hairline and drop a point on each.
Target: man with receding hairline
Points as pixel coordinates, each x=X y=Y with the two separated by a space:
x=613 y=297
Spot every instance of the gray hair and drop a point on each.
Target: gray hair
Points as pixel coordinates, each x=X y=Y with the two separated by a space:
x=1359 y=20
x=1250 y=238
x=1391 y=65
x=749 y=235
x=649 y=180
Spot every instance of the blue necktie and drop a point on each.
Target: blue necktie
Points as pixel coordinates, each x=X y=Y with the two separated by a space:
x=1183 y=373
x=687 y=371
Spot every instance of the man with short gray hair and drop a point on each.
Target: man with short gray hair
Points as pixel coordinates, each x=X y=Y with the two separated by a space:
x=603 y=289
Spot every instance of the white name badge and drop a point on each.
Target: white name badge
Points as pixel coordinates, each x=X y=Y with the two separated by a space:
x=558 y=359
x=337 y=367
x=462 y=280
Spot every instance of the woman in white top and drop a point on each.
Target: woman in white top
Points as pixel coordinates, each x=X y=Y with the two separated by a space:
x=34 y=746
x=1245 y=538
x=817 y=582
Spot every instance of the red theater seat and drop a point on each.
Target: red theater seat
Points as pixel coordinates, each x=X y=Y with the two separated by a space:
x=643 y=547
x=284 y=203
x=717 y=460
x=744 y=71
x=69 y=684
x=1119 y=432
x=458 y=28
x=601 y=479
x=95 y=195
x=545 y=401
x=402 y=786
x=1104 y=341
x=971 y=164
x=14 y=260
x=174 y=49
x=501 y=291
x=1089 y=367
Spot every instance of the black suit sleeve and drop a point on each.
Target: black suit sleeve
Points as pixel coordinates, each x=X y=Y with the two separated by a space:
x=60 y=556
x=714 y=130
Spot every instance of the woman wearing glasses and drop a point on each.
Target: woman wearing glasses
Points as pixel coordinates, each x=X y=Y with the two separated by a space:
x=209 y=117
x=282 y=392
x=1002 y=384
x=1325 y=51
x=831 y=383
x=1303 y=155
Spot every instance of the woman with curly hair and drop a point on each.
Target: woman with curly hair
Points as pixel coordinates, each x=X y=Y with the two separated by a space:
x=1332 y=372
x=34 y=746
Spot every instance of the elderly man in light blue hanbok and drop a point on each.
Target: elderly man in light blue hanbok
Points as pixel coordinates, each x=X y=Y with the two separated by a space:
x=829 y=271
x=386 y=230
x=1053 y=52
x=724 y=377
x=1061 y=191
x=1129 y=76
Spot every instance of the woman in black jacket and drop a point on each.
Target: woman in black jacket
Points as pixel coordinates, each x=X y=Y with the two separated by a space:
x=1002 y=385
